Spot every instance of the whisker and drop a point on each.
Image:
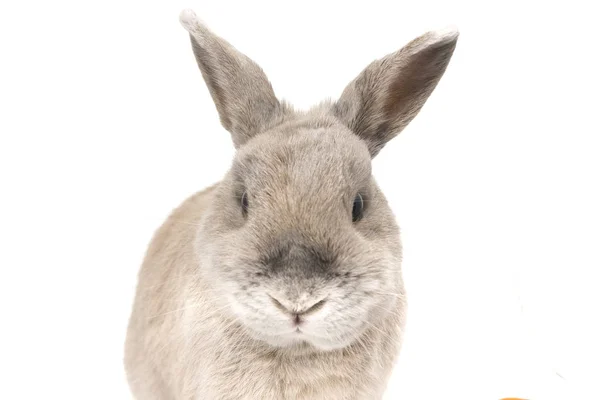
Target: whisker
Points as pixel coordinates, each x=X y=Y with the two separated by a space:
x=196 y=305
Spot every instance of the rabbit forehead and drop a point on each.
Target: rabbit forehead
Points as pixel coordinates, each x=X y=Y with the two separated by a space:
x=304 y=157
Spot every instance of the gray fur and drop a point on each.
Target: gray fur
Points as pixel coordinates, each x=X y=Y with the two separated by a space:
x=210 y=317
x=390 y=92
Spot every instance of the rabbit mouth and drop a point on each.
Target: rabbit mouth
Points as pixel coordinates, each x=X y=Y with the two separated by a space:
x=294 y=338
x=322 y=343
x=280 y=332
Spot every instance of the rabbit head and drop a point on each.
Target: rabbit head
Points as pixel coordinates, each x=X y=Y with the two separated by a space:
x=298 y=241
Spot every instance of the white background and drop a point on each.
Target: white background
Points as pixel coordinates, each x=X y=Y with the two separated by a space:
x=106 y=125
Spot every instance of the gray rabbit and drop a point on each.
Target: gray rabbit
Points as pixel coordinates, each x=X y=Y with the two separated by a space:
x=283 y=281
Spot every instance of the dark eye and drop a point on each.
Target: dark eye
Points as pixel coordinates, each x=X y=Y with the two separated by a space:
x=245 y=203
x=357 y=208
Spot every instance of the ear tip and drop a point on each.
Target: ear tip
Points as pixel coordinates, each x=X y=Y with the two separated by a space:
x=188 y=18
x=446 y=34
x=190 y=21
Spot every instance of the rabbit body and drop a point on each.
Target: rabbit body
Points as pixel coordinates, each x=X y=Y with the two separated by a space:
x=283 y=281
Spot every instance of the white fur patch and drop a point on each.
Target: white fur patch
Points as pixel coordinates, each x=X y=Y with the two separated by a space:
x=193 y=24
x=446 y=34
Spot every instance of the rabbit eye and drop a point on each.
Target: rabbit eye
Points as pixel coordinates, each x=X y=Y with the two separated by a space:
x=357 y=208
x=244 y=203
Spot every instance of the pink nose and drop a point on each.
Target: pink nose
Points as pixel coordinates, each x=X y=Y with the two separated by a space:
x=297 y=312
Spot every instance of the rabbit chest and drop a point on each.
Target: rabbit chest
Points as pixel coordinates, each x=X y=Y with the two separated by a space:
x=349 y=374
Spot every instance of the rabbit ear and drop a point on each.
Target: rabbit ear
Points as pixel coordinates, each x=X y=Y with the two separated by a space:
x=389 y=93
x=242 y=93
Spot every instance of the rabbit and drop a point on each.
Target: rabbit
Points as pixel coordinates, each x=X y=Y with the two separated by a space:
x=283 y=281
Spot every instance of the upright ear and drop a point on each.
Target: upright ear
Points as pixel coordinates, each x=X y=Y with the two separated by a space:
x=389 y=93
x=242 y=93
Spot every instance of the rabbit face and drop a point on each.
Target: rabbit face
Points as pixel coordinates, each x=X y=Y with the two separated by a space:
x=301 y=241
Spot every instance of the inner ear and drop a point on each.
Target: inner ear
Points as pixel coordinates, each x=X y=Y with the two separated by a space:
x=410 y=89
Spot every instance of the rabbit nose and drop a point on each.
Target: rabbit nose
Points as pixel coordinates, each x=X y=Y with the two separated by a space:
x=295 y=310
